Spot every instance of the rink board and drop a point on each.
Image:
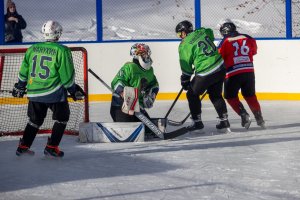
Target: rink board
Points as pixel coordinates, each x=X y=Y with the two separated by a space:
x=93 y=132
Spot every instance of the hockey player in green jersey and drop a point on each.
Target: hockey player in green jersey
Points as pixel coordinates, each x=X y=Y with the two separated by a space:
x=46 y=74
x=199 y=56
x=137 y=74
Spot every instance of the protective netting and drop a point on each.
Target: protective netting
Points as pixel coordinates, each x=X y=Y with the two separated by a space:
x=13 y=111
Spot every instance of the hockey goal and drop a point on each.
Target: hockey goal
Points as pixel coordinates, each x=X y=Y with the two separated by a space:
x=13 y=111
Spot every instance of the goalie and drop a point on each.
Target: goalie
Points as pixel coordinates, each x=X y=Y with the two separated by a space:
x=134 y=87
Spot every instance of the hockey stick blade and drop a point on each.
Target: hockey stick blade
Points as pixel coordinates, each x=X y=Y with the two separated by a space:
x=175 y=123
x=176 y=133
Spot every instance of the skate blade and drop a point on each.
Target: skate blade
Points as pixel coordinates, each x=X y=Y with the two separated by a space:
x=263 y=126
x=247 y=125
x=50 y=157
x=224 y=130
x=197 y=132
x=28 y=154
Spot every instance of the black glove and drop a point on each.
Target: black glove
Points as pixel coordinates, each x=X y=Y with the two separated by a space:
x=76 y=92
x=185 y=81
x=18 y=91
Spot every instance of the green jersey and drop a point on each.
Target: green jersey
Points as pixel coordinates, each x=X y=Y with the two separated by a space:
x=197 y=49
x=132 y=75
x=47 y=68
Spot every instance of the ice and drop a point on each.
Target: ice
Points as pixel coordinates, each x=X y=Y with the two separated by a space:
x=244 y=165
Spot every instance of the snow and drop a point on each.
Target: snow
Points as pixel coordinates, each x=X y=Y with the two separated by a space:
x=144 y=19
x=245 y=165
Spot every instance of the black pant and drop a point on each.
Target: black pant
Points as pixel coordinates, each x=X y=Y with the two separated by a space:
x=119 y=116
x=37 y=111
x=213 y=84
x=244 y=82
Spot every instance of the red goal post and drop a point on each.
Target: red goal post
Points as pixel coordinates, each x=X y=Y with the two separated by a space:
x=13 y=111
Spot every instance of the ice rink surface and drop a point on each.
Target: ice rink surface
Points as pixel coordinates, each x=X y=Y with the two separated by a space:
x=243 y=165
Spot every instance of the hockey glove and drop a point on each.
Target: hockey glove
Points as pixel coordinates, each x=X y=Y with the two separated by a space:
x=185 y=81
x=148 y=100
x=18 y=91
x=76 y=92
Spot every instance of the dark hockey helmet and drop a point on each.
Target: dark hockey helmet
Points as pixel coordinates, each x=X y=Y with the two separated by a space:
x=185 y=26
x=227 y=28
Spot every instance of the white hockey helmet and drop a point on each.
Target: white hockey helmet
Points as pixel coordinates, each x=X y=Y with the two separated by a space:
x=51 y=30
x=142 y=53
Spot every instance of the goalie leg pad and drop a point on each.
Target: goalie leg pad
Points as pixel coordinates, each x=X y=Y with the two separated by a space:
x=95 y=132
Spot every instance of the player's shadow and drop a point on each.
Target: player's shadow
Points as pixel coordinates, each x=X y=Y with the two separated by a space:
x=254 y=127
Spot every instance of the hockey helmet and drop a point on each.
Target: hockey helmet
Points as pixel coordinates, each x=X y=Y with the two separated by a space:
x=227 y=28
x=51 y=30
x=185 y=26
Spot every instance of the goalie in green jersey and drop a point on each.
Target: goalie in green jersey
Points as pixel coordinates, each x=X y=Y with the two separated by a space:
x=199 y=56
x=46 y=74
x=135 y=86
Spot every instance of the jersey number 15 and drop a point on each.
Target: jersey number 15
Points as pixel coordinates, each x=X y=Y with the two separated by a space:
x=43 y=71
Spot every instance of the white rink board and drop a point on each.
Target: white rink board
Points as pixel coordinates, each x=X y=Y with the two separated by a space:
x=276 y=64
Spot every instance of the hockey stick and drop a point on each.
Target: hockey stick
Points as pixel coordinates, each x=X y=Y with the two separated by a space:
x=145 y=120
x=175 y=123
x=6 y=91
x=173 y=104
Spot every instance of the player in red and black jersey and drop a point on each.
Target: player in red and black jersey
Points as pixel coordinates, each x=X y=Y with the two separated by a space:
x=237 y=51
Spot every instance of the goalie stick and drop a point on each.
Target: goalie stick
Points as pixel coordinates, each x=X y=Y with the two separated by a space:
x=161 y=134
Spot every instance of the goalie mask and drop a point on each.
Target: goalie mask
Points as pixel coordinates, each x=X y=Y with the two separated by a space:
x=142 y=53
x=51 y=30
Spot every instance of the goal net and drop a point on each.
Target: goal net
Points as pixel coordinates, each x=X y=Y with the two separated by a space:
x=13 y=111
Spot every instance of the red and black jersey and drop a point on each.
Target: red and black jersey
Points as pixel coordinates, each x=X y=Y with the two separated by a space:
x=237 y=51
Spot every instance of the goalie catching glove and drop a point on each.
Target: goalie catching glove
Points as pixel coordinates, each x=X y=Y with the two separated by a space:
x=18 y=90
x=76 y=92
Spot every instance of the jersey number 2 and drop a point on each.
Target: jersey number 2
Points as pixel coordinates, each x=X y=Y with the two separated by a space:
x=208 y=46
x=45 y=71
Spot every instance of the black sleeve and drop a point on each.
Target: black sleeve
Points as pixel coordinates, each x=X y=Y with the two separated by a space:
x=22 y=23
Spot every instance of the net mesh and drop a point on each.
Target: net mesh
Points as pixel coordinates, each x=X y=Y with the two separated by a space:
x=13 y=111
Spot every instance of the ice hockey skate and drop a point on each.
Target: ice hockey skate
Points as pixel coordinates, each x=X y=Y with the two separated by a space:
x=52 y=151
x=23 y=149
x=246 y=120
x=196 y=127
x=223 y=126
x=259 y=120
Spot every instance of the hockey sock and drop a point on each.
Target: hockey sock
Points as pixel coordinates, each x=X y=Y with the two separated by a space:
x=236 y=105
x=219 y=105
x=253 y=104
x=29 y=134
x=57 y=132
